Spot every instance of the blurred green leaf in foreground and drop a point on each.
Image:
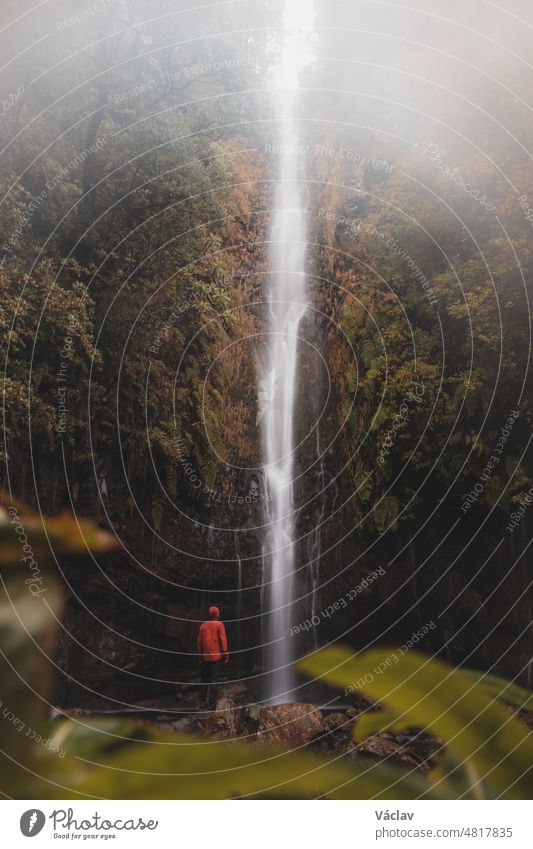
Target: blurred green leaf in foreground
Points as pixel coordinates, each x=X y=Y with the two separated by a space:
x=488 y=752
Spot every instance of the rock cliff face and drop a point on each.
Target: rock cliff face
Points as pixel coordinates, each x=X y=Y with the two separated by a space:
x=131 y=618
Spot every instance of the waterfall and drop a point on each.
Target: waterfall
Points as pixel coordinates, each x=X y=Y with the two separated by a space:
x=287 y=301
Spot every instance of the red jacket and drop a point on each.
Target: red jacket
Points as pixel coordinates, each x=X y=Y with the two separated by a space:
x=212 y=643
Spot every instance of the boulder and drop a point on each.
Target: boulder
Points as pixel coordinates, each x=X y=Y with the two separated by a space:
x=337 y=722
x=226 y=722
x=384 y=748
x=290 y=726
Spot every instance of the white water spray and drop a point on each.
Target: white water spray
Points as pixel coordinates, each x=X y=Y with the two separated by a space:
x=277 y=385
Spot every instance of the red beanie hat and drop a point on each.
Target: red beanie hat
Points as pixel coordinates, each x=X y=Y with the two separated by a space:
x=214 y=612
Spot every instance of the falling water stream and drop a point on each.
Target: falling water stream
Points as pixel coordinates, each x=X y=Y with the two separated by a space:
x=287 y=300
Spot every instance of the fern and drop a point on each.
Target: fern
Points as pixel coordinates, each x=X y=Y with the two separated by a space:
x=385 y=513
x=172 y=479
x=158 y=509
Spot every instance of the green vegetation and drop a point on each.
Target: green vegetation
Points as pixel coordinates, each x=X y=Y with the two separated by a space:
x=119 y=236
x=486 y=752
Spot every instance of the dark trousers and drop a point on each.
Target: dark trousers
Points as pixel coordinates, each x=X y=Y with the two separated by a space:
x=210 y=678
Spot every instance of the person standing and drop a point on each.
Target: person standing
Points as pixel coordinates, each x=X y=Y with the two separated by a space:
x=212 y=646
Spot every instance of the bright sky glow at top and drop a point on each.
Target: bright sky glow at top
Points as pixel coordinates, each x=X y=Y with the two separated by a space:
x=298 y=18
